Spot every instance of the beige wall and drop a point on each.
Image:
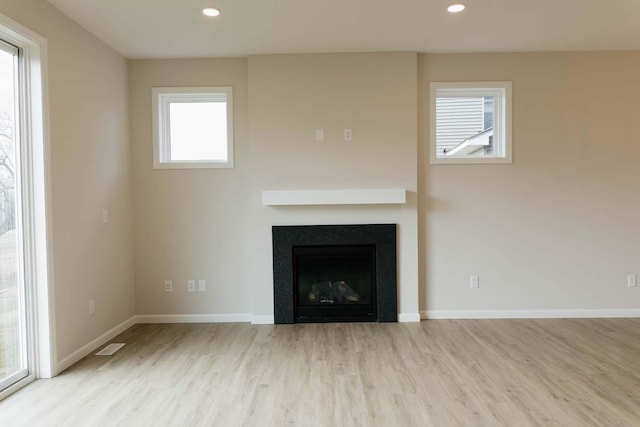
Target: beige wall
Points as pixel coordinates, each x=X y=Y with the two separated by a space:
x=292 y=95
x=90 y=172
x=552 y=231
x=210 y=224
x=190 y=224
x=557 y=229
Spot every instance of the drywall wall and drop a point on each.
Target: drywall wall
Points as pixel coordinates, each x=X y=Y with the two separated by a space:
x=557 y=229
x=190 y=223
x=290 y=96
x=89 y=172
x=210 y=224
x=552 y=231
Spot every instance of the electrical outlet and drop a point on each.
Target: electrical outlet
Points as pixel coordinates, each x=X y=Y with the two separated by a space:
x=202 y=285
x=92 y=306
x=191 y=285
x=168 y=286
x=105 y=216
x=632 y=280
x=319 y=135
x=348 y=134
x=475 y=282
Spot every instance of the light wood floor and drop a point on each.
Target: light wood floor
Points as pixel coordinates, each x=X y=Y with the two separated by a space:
x=436 y=373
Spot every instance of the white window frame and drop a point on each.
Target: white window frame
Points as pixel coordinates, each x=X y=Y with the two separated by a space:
x=162 y=99
x=36 y=201
x=502 y=91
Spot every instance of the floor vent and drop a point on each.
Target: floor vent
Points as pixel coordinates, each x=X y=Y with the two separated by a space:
x=110 y=349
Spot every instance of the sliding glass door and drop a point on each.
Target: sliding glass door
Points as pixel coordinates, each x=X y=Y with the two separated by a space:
x=14 y=341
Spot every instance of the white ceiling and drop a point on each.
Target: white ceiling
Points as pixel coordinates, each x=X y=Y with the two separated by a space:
x=176 y=28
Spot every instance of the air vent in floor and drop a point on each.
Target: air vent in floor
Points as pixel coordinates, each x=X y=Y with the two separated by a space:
x=110 y=349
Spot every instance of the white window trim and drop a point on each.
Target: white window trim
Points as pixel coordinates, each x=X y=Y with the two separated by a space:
x=161 y=98
x=36 y=165
x=502 y=124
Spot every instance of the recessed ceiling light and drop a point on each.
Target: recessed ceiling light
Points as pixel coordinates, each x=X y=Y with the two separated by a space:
x=210 y=11
x=455 y=8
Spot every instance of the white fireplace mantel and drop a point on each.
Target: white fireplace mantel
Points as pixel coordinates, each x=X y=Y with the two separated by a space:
x=363 y=196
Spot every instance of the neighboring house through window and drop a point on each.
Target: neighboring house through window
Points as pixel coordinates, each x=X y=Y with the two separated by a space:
x=470 y=122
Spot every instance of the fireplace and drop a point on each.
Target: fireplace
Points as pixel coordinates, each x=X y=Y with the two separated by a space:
x=334 y=283
x=335 y=273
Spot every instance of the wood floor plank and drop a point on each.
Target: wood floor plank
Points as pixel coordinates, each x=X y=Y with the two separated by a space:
x=549 y=372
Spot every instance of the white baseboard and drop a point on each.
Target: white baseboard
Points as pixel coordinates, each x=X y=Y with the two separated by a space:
x=263 y=320
x=194 y=318
x=93 y=345
x=530 y=314
x=408 y=317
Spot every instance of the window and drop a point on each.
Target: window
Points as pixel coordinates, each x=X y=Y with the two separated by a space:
x=471 y=122
x=26 y=334
x=13 y=317
x=193 y=128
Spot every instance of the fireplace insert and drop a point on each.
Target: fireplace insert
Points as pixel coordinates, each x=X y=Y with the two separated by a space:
x=335 y=273
x=334 y=283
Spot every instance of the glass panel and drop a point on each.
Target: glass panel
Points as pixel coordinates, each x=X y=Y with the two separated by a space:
x=464 y=126
x=335 y=275
x=12 y=309
x=198 y=131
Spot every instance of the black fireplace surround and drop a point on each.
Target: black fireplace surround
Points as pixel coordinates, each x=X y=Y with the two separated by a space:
x=365 y=247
